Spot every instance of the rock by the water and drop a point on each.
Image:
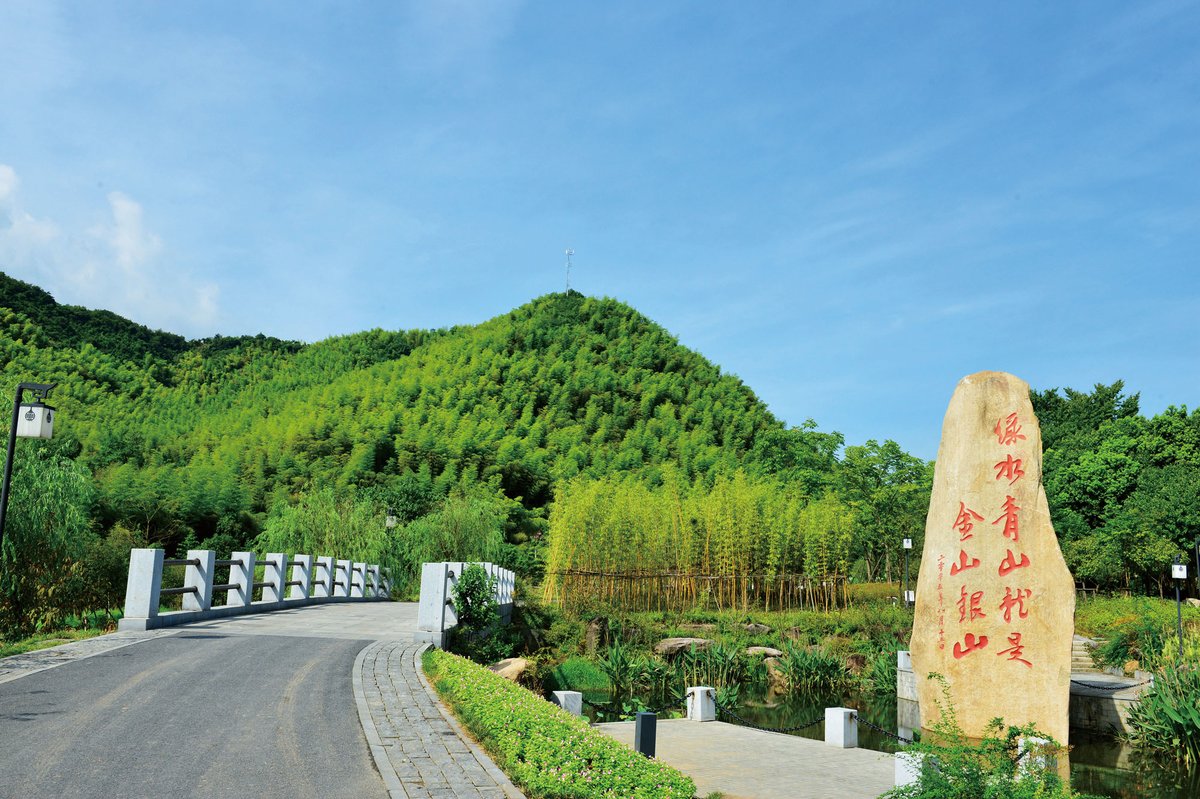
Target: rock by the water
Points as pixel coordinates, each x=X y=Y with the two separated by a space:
x=510 y=668
x=760 y=651
x=776 y=677
x=995 y=601
x=596 y=635
x=672 y=646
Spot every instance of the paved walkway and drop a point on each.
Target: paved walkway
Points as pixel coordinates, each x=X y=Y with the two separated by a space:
x=420 y=749
x=16 y=666
x=741 y=762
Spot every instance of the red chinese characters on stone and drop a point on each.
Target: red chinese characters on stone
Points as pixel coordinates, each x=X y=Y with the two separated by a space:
x=963 y=563
x=1010 y=469
x=1014 y=651
x=970 y=644
x=965 y=522
x=1017 y=601
x=1008 y=430
x=1010 y=562
x=1009 y=517
x=968 y=607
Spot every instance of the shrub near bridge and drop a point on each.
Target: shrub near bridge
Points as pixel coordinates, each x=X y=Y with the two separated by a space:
x=549 y=752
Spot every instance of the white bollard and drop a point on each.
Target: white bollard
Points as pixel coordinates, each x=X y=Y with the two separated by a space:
x=201 y=578
x=358 y=580
x=570 y=701
x=275 y=574
x=341 y=578
x=908 y=767
x=302 y=573
x=841 y=727
x=241 y=577
x=323 y=581
x=142 y=589
x=701 y=703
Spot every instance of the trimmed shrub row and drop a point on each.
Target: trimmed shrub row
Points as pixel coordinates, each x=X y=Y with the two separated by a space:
x=547 y=751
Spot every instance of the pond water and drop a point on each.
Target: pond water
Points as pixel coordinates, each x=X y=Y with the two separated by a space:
x=1100 y=765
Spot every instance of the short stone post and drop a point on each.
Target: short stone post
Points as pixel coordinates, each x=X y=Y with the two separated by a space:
x=358 y=580
x=200 y=577
x=1032 y=761
x=373 y=574
x=341 y=578
x=570 y=701
x=323 y=581
x=301 y=573
x=908 y=767
x=241 y=577
x=701 y=703
x=644 y=732
x=142 y=589
x=841 y=727
x=275 y=575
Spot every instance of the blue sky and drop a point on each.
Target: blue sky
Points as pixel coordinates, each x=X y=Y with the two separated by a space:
x=849 y=205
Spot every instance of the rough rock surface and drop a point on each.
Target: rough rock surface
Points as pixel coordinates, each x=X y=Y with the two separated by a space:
x=776 y=678
x=764 y=650
x=995 y=601
x=510 y=668
x=671 y=646
x=756 y=629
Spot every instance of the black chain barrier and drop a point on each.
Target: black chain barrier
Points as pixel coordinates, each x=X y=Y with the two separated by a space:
x=747 y=723
x=882 y=731
x=1110 y=686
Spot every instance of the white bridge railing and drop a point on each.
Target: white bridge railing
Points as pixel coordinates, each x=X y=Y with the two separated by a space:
x=435 y=613
x=313 y=580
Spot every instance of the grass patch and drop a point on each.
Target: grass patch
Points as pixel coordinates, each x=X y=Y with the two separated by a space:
x=45 y=641
x=578 y=673
x=547 y=751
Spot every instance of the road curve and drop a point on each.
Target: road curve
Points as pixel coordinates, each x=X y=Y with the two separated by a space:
x=196 y=714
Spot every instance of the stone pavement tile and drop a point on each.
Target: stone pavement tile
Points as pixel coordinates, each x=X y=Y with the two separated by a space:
x=415 y=743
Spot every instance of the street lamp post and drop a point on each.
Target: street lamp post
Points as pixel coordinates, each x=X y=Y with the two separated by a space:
x=907 y=549
x=37 y=421
x=1179 y=572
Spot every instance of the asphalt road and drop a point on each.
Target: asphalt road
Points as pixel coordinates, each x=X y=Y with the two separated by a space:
x=191 y=715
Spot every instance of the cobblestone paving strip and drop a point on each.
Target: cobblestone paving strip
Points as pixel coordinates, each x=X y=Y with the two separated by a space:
x=14 y=667
x=419 y=749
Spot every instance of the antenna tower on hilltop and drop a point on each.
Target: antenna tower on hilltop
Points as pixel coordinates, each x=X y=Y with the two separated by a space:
x=570 y=251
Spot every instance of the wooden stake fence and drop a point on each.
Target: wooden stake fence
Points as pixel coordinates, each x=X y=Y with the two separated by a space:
x=673 y=591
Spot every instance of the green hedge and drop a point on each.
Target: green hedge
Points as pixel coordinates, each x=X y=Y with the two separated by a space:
x=544 y=749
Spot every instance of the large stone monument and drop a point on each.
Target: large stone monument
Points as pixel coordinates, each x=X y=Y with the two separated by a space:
x=995 y=602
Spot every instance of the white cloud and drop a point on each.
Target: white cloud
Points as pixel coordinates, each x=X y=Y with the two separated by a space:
x=119 y=265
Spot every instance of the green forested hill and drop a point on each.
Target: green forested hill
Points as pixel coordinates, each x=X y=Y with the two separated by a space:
x=566 y=398
x=207 y=436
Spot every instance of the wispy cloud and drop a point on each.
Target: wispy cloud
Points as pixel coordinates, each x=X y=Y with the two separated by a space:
x=118 y=264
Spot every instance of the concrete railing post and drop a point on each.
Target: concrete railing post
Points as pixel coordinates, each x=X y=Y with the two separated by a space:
x=341 y=579
x=241 y=577
x=373 y=576
x=201 y=578
x=701 y=703
x=841 y=727
x=1033 y=756
x=358 y=580
x=275 y=575
x=570 y=701
x=323 y=579
x=302 y=573
x=142 y=590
